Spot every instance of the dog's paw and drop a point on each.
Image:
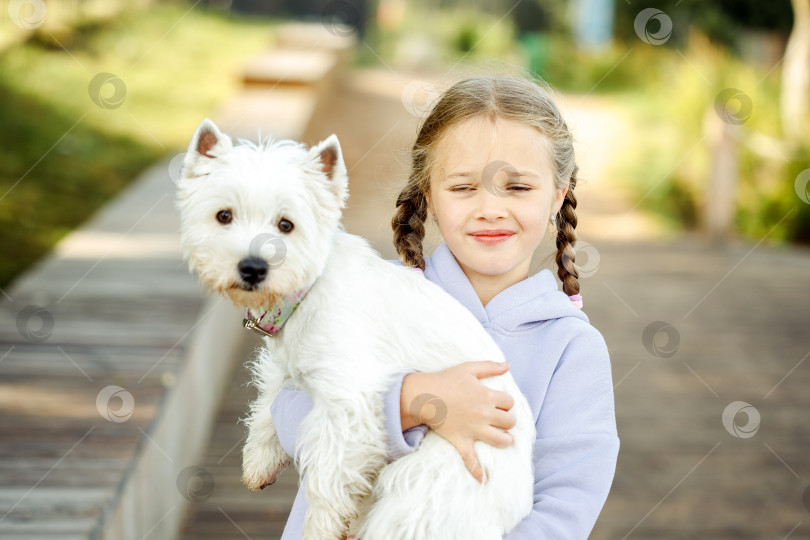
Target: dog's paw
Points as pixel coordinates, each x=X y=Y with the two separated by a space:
x=259 y=478
x=262 y=467
x=256 y=483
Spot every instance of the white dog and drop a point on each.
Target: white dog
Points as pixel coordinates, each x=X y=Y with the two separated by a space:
x=261 y=224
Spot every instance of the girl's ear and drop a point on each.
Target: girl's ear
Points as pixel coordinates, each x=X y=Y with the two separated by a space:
x=207 y=144
x=558 y=200
x=329 y=159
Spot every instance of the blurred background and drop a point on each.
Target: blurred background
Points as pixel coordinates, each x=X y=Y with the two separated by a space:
x=664 y=69
x=691 y=125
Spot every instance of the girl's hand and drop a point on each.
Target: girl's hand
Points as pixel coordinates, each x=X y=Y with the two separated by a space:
x=455 y=404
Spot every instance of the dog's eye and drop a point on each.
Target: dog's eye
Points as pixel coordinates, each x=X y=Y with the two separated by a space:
x=285 y=225
x=224 y=216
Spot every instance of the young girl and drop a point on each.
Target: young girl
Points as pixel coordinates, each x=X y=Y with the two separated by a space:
x=493 y=164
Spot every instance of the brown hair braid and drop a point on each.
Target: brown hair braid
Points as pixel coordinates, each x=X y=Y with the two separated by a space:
x=409 y=225
x=566 y=238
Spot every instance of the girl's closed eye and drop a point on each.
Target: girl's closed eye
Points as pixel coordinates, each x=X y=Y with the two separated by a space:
x=511 y=187
x=515 y=187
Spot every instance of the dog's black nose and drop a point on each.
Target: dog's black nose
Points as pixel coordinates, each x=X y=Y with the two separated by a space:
x=253 y=270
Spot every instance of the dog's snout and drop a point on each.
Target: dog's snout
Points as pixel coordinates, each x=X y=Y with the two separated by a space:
x=253 y=270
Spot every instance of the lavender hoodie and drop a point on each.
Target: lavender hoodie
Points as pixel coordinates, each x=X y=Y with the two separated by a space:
x=560 y=363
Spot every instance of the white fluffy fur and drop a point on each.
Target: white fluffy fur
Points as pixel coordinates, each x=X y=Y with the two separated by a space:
x=364 y=321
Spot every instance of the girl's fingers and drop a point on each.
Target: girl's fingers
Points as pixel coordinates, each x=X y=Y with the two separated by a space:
x=471 y=462
x=502 y=419
x=497 y=437
x=503 y=400
x=487 y=368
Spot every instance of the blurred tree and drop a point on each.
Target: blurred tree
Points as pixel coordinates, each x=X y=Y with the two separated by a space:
x=329 y=12
x=531 y=21
x=719 y=19
x=795 y=99
x=531 y=16
x=534 y=21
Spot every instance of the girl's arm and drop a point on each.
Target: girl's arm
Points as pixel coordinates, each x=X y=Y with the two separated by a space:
x=577 y=444
x=475 y=412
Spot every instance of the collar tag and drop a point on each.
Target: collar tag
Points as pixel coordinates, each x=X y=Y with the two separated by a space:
x=250 y=324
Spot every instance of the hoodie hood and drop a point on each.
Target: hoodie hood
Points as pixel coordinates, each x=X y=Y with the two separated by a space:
x=534 y=300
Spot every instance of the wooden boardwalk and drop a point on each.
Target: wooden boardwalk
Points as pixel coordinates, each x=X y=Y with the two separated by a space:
x=90 y=317
x=731 y=332
x=736 y=330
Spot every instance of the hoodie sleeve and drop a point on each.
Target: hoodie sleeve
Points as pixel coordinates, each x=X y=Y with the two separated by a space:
x=291 y=406
x=576 y=447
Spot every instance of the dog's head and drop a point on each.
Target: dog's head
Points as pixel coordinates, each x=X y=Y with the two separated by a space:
x=258 y=220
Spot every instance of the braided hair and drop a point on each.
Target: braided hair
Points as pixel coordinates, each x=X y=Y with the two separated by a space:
x=566 y=238
x=409 y=225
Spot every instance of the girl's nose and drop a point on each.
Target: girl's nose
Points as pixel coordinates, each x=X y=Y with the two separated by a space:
x=491 y=201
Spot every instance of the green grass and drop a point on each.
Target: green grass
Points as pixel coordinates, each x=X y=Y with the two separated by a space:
x=61 y=155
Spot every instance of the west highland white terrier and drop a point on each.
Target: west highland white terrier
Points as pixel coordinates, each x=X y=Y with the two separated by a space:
x=261 y=225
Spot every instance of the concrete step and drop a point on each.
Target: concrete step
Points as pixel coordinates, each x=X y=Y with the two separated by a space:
x=289 y=67
x=284 y=112
x=339 y=40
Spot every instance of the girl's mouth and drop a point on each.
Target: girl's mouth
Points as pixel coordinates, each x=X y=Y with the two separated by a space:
x=492 y=237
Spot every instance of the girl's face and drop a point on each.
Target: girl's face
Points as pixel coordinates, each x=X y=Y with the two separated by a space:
x=492 y=190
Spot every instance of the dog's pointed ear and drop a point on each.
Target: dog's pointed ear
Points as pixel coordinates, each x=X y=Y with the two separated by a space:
x=329 y=159
x=207 y=144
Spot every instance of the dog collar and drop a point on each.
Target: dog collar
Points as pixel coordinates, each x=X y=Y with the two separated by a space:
x=276 y=315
